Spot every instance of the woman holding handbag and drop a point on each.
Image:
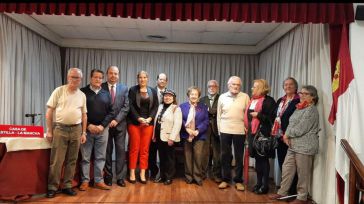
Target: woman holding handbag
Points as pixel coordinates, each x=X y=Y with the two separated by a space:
x=259 y=117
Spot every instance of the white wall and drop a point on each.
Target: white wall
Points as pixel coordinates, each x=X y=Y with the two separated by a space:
x=356 y=37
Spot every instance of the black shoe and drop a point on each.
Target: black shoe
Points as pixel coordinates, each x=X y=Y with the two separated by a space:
x=51 y=194
x=168 y=182
x=108 y=181
x=157 y=180
x=131 y=181
x=69 y=191
x=143 y=181
x=262 y=190
x=256 y=188
x=189 y=181
x=121 y=183
x=199 y=183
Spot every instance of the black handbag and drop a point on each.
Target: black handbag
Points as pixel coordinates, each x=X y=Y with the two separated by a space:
x=263 y=145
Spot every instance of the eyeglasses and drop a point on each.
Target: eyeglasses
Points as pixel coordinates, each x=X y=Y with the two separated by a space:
x=304 y=93
x=212 y=86
x=75 y=77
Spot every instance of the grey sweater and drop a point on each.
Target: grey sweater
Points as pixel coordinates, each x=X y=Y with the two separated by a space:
x=303 y=131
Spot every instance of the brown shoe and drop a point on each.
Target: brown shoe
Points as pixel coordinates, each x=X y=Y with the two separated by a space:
x=102 y=186
x=84 y=186
x=223 y=185
x=275 y=196
x=240 y=187
x=296 y=201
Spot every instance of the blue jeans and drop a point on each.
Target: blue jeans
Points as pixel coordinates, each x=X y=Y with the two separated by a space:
x=97 y=142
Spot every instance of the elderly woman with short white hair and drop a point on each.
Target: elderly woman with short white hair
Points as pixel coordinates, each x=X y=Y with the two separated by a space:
x=302 y=139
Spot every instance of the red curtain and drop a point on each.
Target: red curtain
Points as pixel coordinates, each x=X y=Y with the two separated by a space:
x=333 y=13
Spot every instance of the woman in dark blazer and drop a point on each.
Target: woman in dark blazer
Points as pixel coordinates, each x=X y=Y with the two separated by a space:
x=286 y=107
x=259 y=116
x=143 y=101
x=195 y=121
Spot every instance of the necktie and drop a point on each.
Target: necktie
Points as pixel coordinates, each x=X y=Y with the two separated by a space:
x=112 y=94
x=211 y=100
x=161 y=97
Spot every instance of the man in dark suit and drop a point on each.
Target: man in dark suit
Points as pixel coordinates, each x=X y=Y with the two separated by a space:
x=162 y=82
x=117 y=130
x=212 y=142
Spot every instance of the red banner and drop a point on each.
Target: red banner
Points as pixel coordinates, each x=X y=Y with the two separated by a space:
x=21 y=131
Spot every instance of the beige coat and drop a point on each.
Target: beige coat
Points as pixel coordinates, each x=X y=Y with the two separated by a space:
x=171 y=123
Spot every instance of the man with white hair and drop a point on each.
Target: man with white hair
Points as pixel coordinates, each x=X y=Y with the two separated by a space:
x=212 y=142
x=66 y=129
x=230 y=122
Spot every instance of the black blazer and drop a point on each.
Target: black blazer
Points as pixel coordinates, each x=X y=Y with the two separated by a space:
x=212 y=112
x=121 y=104
x=287 y=113
x=266 y=118
x=134 y=103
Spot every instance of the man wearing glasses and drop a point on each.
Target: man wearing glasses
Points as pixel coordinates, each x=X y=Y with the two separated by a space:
x=66 y=129
x=212 y=142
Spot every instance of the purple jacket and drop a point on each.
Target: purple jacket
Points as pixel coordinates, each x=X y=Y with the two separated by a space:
x=201 y=119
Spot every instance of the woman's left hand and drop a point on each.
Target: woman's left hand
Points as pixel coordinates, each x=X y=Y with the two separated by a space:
x=170 y=142
x=254 y=114
x=286 y=140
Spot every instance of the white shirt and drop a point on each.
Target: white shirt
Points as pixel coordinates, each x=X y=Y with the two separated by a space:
x=110 y=87
x=94 y=89
x=68 y=107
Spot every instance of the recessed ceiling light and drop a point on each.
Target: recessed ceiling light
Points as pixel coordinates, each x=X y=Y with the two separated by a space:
x=156 y=37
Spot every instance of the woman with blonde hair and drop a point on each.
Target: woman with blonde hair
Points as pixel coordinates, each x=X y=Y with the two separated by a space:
x=143 y=102
x=259 y=116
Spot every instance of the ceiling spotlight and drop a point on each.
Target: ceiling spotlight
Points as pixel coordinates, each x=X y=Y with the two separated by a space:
x=156 y=37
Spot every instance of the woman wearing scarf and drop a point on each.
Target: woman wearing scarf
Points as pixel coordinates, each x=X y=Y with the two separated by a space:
x=286 y=107
x=259 y=116
x=167 y=125
x=302 y=139
x=195 y=121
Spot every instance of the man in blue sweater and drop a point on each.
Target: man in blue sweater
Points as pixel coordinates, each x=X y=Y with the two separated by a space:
x=99 y=114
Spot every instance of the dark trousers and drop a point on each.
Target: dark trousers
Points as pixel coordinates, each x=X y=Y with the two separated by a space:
x=281 y=153
x=117 y=137
x=212 y=152
x=193 y=159
x=262 y=168
x=226 y=156
x=167 y=160
x=152 y=159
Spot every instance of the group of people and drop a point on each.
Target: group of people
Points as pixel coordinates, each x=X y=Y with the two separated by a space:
x=95 y=118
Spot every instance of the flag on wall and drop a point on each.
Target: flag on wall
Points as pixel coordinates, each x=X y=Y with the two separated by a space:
x=344 y=111
x=343 y=74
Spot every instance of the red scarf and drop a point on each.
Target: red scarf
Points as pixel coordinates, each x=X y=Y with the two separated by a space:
x=302 y=105
x=258 y=108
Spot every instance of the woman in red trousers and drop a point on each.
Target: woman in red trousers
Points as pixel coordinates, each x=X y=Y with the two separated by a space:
x=143 y=101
